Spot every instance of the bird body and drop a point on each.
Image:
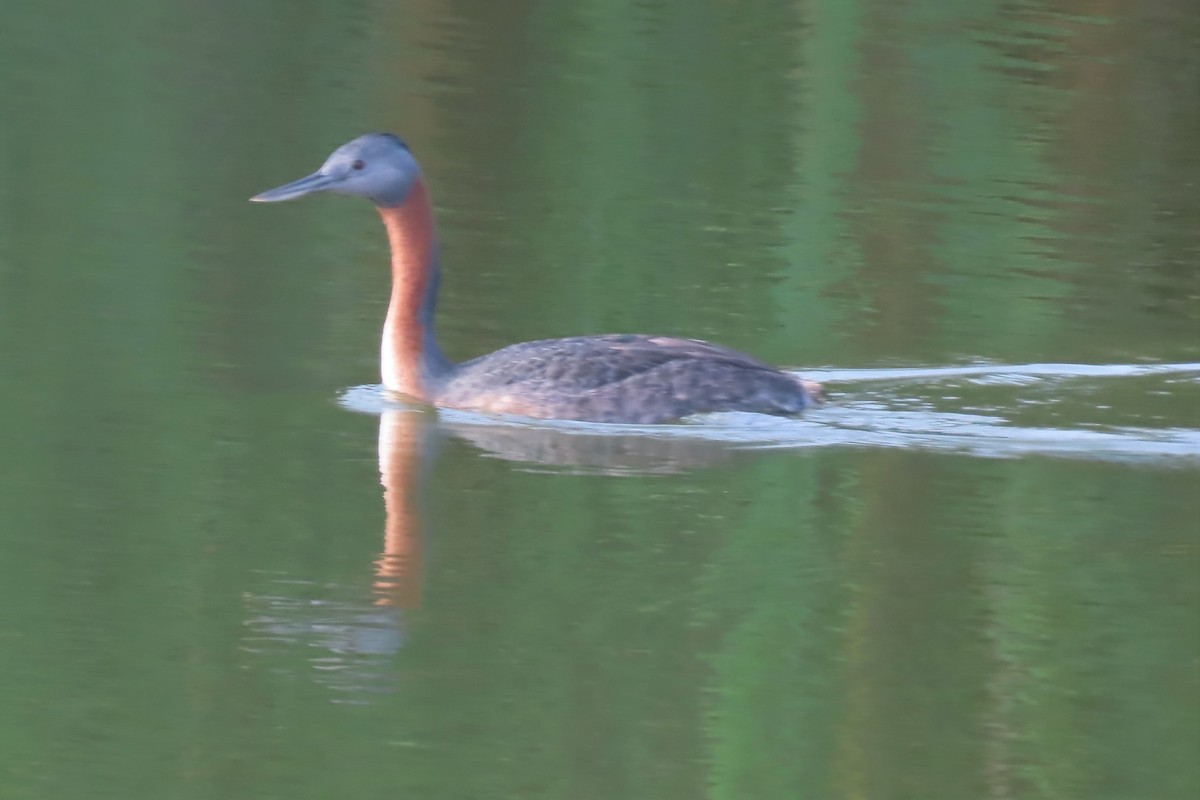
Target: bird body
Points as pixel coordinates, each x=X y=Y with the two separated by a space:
x=620 y=378
x=629 y=378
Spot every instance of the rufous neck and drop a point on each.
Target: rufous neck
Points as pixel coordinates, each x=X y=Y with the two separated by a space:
x=410 y=360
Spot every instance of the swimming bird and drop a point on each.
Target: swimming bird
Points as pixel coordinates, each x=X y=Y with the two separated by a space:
x=621 y=378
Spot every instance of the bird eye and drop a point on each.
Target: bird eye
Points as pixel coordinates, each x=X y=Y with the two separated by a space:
x=358 y=164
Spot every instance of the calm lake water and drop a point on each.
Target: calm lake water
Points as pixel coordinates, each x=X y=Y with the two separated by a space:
x=228 y=569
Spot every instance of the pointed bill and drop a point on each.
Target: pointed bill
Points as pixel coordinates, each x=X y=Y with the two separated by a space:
x=317 y=182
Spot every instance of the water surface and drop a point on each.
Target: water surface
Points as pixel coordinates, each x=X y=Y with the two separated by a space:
x=228 y=568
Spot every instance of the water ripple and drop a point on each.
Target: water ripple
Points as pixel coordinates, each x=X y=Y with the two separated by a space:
x=965 y=409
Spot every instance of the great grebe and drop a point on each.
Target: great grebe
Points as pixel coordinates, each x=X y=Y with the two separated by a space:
x=628 y=378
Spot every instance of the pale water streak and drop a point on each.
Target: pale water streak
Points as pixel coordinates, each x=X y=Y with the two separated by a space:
x=1001 y=372
x=345 y=643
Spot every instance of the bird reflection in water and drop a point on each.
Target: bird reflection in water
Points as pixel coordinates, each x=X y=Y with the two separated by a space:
x=410 y=437
x=348 y=644
x=405 y=444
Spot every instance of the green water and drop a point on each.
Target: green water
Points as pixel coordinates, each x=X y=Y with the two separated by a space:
x=948 y=584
